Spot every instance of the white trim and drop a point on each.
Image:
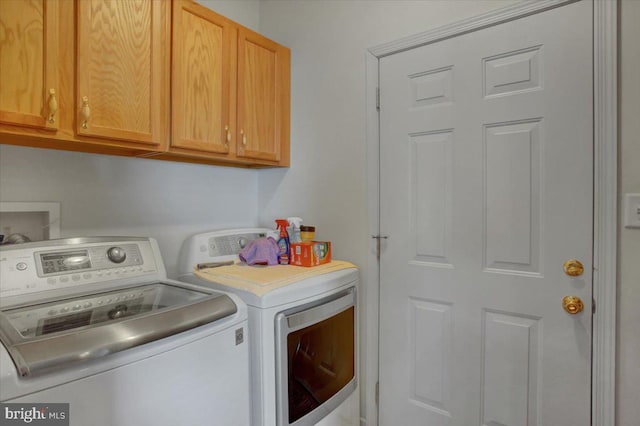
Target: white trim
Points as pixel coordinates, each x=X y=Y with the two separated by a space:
x=52 y=209
x=605 y=242
x=372 y=289
x=475 y=23
x=605 y=186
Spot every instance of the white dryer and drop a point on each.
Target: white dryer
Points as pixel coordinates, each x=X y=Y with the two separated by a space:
x=302 y=327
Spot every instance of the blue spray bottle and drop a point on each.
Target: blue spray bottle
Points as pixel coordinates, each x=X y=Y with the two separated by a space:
x=283 y=241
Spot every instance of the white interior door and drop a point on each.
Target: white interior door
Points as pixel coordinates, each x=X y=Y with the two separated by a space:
x=486 y=190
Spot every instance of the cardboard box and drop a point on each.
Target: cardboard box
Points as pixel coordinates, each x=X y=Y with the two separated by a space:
x=310 y=253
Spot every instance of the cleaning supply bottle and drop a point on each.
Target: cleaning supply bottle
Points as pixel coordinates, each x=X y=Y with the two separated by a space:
x=283 y=241
x=294 y=235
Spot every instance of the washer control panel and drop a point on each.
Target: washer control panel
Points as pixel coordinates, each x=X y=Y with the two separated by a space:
x=35 y=269
x=57 y=262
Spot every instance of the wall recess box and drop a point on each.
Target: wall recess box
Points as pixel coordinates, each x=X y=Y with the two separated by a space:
x=632 y=210
x=36 y=220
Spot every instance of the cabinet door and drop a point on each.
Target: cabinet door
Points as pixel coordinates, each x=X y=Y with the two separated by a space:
x=28 y=73
x=121 y=76
x=263 y=98
x=202 y=96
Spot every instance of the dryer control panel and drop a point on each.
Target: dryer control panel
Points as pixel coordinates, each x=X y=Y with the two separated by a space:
x=225 y=245
x=217 y=246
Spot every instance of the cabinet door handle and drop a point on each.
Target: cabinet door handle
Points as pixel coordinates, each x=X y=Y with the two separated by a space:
x=85 y=112
x=244 y=137
x=53 y=106
x=226 y=129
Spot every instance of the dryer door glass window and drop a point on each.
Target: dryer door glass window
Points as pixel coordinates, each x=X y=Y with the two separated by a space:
x=321 y=361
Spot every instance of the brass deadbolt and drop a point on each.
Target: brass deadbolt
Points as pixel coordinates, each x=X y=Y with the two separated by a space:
x=573 y=268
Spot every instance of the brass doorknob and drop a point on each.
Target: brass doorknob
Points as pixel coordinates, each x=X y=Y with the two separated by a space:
x=573 y=268
x=572 y=304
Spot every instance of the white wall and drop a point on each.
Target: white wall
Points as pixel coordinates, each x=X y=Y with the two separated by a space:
x=327 y=182
x=628 y=378
x=245 y=12
x=107 y=195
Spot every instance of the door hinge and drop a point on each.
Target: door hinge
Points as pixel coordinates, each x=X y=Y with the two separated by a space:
x=377 y=393
x=378 y=98
x=593 y=306
x=378 y=238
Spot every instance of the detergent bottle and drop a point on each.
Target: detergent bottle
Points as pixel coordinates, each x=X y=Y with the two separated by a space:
x=283 y=241
x=294 y=235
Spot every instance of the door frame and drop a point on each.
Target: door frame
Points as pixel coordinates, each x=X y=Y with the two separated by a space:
x=605 y=191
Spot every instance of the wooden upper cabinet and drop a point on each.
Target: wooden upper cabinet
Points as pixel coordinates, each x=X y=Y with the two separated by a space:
x=168 y=79
x=263 y=98
x=230 y=90
x=28 y=54
x=121 y=73
x=203 y=113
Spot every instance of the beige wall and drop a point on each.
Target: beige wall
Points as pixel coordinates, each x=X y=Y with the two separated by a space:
x=628 y=378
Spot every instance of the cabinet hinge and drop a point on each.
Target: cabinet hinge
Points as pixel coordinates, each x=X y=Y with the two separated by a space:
x=378 y=98
x=377 y=393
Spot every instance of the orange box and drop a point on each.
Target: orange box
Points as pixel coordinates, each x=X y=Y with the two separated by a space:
x=310 y=253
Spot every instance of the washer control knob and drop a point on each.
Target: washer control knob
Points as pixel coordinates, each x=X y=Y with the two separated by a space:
x=116 y=254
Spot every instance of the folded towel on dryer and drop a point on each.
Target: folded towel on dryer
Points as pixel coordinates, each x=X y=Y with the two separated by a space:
x=262 y=280
x=261 y=251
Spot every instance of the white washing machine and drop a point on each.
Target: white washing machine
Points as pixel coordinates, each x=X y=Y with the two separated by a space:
x=96 y=324
x=302 y=326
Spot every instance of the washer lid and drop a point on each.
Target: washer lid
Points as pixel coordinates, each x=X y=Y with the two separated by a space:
x=65 y=332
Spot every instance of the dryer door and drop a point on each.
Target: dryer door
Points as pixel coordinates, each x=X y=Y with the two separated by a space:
x=315 y=352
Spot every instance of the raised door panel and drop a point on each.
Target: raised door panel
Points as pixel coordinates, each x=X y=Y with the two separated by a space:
x=120 y=71
x=28 y=51
x=202 y=81
x=263 y=98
